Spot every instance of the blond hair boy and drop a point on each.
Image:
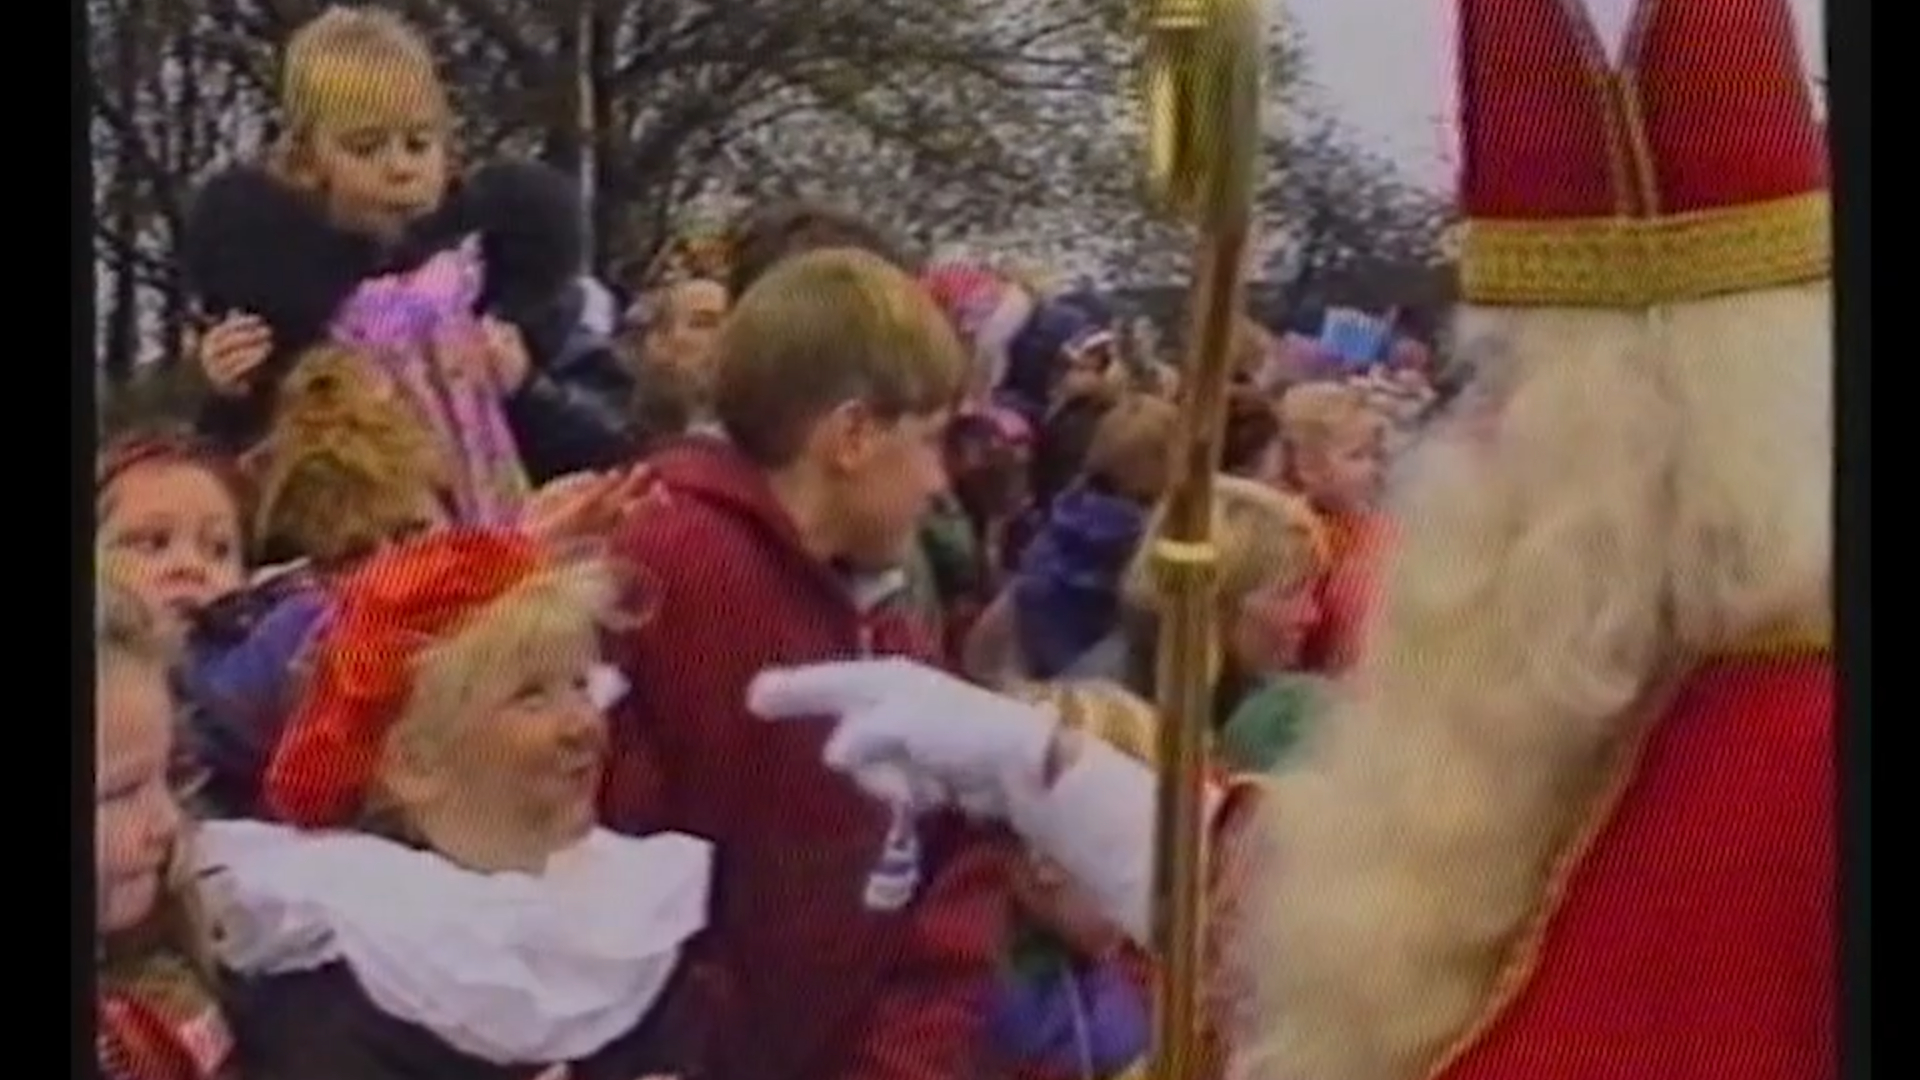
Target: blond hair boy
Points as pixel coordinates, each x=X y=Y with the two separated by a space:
x=859 y=940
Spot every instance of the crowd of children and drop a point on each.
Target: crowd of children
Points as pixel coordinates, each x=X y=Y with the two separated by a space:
x=422 y=744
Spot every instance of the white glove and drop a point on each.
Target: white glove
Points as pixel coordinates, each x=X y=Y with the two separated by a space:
x=913 y=736
x=910 y=733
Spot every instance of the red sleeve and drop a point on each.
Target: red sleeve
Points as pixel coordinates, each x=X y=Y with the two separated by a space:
x=1240 y=796
x=1347 y=599
x=1226 y=983
x=636 y=793
x=926 y=1024
x=634 y=796
x=895 y=631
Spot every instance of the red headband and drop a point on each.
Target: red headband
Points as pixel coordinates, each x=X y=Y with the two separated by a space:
x=163 y=446
x=385 y=614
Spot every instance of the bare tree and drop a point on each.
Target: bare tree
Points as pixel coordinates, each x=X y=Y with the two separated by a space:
x=1329 y=210
x=1005 y=123
x=922 y=111
x=1341 y=214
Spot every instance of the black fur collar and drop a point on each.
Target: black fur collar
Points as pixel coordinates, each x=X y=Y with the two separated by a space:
x=251 y=244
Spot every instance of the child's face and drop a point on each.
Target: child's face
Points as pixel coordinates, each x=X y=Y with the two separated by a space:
x=689 y=323
x=1344 y=473
x=170 y=532
x=521 y=772
x=135 y=817
x=1273 y=624
x=381 y=174
x=887 y=473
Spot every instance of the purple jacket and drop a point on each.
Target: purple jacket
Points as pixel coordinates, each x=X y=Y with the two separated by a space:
x=1078 y=1020
x=239 y=690
x=1066 y=593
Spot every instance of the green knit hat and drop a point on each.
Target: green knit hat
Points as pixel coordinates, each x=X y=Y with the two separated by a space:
x=1265 y=727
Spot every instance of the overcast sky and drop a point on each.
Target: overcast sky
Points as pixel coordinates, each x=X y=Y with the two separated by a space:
x=1386 y=67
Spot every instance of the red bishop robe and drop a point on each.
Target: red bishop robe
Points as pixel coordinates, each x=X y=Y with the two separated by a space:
x=1690 y=935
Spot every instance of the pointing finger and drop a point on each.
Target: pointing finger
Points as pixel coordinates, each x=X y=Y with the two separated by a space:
x=814 y=690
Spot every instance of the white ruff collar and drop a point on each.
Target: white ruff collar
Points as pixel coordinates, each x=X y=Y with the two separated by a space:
x=507 y=968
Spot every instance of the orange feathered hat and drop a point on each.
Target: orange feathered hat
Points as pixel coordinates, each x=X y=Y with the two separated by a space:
x=385 y=614
x=1690 y=164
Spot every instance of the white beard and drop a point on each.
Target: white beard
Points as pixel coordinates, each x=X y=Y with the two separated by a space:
x=1633 y=499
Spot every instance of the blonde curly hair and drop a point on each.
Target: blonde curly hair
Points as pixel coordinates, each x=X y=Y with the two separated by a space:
x=1264 y=537
x=347 y=464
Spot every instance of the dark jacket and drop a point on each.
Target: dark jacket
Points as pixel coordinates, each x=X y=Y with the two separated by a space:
x=320 y=1025
x=830 y=985
x=573 y=411
x=252 y=245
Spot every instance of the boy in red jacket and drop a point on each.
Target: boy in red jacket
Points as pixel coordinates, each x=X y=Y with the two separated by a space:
x=861 y=945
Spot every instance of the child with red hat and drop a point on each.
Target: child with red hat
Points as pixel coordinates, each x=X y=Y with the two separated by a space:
x=439 y=900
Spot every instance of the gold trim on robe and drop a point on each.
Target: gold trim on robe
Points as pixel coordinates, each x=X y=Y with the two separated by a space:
x=1624 y=262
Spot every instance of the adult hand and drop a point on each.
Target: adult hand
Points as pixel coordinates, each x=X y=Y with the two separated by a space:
x=952 y=743
x=232 y=351
x=900 y=726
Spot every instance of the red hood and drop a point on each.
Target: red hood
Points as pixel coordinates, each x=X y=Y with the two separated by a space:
x=711 y=470
x=1364 y=535
x=1361 y=546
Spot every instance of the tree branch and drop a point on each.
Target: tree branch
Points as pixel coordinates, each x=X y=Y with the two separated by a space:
x=133 y=148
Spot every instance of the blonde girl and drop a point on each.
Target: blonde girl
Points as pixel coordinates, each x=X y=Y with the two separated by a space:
x=345 y=472
x=357 y=227
x=1273 y=553
x=156 y=1008
x=1334 y=441
x=1335 y=459
x=170 y=524
x=440 y=901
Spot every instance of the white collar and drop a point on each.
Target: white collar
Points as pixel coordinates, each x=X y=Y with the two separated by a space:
x=872 y=590
x=508 y=968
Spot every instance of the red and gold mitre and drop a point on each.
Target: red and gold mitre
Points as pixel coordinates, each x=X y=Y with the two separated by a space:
x=1694 y=166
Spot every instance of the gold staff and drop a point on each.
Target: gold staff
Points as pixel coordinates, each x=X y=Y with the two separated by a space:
x=1203 y=61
